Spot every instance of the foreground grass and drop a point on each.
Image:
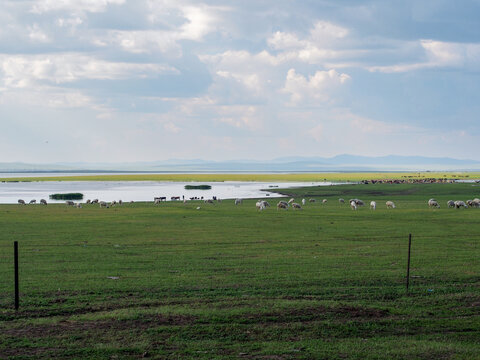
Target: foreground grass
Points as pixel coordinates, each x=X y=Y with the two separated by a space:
x=308 y=177
x=225 y=281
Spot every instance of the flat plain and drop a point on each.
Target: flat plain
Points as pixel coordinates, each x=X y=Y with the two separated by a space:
x=215 y=281
x=294 y=177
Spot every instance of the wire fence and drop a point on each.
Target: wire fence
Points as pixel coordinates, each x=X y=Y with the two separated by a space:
x=208 y=262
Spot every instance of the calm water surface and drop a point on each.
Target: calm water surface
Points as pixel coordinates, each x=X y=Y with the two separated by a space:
x=10 y=192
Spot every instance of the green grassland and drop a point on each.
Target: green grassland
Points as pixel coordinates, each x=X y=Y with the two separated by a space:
x=225 y=281
x=312 y=177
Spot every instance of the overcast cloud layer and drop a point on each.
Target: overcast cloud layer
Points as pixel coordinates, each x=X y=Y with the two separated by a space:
x=145 y=80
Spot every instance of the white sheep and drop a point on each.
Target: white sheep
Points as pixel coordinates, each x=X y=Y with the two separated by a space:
x=433 y=203
x=459 y=204
x=303 y=202
x=296 y=206
x=282 y=205
x=390 y=205
x=373 y=205
x=353 y=205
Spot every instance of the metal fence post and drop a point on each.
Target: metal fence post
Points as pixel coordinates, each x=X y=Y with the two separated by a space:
x=15 y=256
x=408 y=262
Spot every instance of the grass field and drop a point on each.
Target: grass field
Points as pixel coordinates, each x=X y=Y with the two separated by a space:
x=307 y=177
x=225 y=281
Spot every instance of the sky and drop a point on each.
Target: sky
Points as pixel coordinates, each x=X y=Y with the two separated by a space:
x=148 y=80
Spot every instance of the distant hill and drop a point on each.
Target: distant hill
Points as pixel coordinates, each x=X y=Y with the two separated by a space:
x=344 y=162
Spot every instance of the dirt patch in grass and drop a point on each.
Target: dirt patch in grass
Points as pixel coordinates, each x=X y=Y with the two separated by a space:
x=318 y=313
x=65 y=328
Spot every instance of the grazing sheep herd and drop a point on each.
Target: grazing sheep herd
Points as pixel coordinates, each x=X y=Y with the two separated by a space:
x=262 y=204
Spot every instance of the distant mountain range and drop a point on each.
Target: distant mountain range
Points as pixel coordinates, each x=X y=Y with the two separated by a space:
x=284 y=164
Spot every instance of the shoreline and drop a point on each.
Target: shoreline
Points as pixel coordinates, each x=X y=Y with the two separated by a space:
x=256 y=177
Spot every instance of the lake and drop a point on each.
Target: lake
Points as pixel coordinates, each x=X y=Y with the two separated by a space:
x=10 y=192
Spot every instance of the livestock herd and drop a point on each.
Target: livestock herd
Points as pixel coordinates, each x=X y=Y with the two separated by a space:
x=356 y=203
x=263 y=204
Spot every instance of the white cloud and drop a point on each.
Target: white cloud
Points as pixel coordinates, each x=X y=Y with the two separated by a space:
x=240 y=116
x=250 y=81
x=195 y=22
x=94 y=6
x=37 y=35
x=50 y=97
x=322 y=44
x=200 y=22
x=25 y=70
x=324 y=31
x=439 y=54
x=145 y=41
x=317 y=86
x=71 y=22
x=172 y=128
x=284 y=41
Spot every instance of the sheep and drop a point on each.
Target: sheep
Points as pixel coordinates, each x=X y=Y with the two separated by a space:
x=358 y=202
x=33 y=202
x=69 y=203
x=296 y=206
x=433 y=203
x=341 y=201
x=21 y=202
x=103 y=204
x=260 y=205
x=157 y=201
x=451 y=203
x=238 y=201
x=324 y=201
x=95 y=201
x=459 y=204
x=209 y=201
x=291 y=200
x=474 y=203
x=88 y=201
x=390 y=205
x=304 y=202
x=78 y=205
x=312 y=200
x=120 y=202
x=282 y=205
x=353 y=205
x=43 y=201
x=373 y=205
